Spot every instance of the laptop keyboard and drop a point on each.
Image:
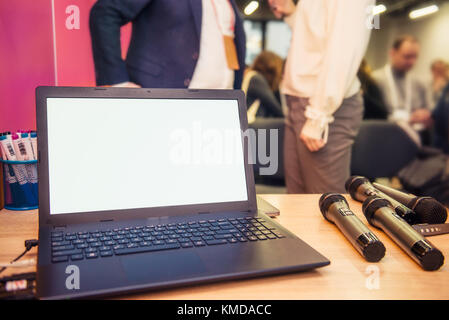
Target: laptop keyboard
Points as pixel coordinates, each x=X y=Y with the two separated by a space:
x=122 y=241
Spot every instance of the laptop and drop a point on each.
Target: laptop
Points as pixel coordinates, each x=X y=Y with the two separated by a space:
x=145 y=189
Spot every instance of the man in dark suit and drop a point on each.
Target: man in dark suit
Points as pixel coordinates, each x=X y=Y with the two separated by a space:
x=174 y=43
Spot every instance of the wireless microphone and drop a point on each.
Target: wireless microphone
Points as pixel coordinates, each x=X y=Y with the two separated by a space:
x=361 y=188
x=335 y=209
x=428 y=209
x=379 y=213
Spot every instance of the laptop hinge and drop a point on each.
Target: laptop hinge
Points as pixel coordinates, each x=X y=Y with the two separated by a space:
x=107 y=220
x=204 y=212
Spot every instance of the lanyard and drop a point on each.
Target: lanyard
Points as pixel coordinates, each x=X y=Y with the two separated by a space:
x=232 y=23
x=393 y=93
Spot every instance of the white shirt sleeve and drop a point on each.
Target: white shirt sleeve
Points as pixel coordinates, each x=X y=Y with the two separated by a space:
x=348 y=38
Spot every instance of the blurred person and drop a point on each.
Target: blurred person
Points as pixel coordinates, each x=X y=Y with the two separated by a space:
x=406 y=97
x=271 y=66
x=329 y=40
x=374 y=104
x=260 y=83
x=441 y=117
x=440 y=78
x=174 y=44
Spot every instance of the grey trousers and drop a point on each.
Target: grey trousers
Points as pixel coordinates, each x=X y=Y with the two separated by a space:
x=327 y=169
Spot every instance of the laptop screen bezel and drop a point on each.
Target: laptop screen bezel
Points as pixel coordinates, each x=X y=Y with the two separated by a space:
x=45 y=218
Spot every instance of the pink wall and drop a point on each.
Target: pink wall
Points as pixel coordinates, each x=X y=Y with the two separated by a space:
x=26 y=60
x=27 y=55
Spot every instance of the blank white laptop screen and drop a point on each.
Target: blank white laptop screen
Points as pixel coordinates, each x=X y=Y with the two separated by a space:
x=112 y=154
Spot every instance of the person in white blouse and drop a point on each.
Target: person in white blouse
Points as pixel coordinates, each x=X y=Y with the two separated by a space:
x=329 y=40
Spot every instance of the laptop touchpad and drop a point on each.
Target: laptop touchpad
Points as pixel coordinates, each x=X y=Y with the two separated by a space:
x=162 y=266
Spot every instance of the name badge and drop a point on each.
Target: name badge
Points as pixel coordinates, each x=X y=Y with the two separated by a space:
x=231 y=52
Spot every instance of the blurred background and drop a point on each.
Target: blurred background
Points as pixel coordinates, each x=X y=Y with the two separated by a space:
x=47 y=42
x=42 y=44
x=265 y=32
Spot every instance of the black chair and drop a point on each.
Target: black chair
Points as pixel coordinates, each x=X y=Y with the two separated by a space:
x=276 y=179
x=381 y=149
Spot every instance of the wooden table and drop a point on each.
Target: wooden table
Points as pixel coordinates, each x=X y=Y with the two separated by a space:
x=348 y=276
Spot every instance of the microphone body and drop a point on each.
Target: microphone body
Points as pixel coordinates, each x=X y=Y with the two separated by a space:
x=335 y=209
x=360 y=188
x=428 y=209
x=380 y=214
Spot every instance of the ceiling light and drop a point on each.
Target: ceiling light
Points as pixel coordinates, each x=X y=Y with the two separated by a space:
x=423 y=11
x=379 y=9
x=251 y=7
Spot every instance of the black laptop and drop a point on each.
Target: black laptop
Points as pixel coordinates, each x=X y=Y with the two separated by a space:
x=143 y=189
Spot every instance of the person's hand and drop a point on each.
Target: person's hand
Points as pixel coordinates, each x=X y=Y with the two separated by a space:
x=127 y=85
x=314 y=134
x=311 y=143
x=422 y=116
x=281 y=8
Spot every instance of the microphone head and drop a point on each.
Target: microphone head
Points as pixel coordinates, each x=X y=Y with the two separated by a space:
x=353 y=183
x=428 y=210
x=372 y=204
x=327 y=199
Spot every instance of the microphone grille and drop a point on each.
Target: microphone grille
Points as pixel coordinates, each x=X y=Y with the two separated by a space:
x=349 y=182
x=372 y=204
x=353 y=183
x=429 y=210
x=328 y=199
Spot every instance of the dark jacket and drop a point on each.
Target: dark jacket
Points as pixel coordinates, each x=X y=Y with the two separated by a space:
x=165 y=42
x=259 y=89
x=441 y=118
x=375 y=107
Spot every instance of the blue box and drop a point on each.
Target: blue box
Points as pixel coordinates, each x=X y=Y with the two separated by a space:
x=20 y=185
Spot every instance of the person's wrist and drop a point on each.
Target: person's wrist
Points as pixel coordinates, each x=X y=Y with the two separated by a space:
x=313 y=129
